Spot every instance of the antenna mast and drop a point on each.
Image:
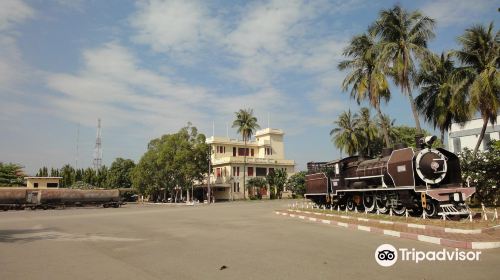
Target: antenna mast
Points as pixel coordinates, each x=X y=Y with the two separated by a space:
x=98 y=148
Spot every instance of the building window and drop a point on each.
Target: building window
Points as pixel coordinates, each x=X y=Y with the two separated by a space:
x=52 y=185
x=456 y=145
x=271 y=170
x=221 y=149
x=251 y=152
x=269 y=151
x=236 y=171
x=35 y=185
x=243 y=151
x=234 y=151
x=250 y=171
x=218 y=172
x=260 y=171
x=238 y=186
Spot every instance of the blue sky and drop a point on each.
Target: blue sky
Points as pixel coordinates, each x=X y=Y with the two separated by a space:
x=146 y=68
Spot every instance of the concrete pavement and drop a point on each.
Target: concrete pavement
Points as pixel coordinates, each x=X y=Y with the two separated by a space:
x=194 y=242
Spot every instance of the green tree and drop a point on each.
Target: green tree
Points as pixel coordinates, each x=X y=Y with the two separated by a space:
x=101 y=177
x=276 y=180
x=346 y=135
x=297 y=183
x=406 y=135
x=120 y=173
x=246 y=124
x=254 y=184
x=68 y=176
x=480 y=170
x=367 y=77
x=479 y=55
x=368 y=130
x=403 y=37
x=11 y=174
x=173 y=160
x=440 y=97
x=89 y=176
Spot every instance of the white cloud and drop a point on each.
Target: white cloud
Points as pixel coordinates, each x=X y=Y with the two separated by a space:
x=14 y=12
x=112 y=86
x=450 y=12
x=173 y=26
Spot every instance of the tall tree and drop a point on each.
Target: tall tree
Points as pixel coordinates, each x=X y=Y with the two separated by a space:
x=68 y=176
x=368 y=130
x=440 y=99
x=246 y=124
x=404 y=36
x=11 y=174
x=171 y=162
x=367 y=77
x=277 y=180
x=120 y=173
x=346 y=135
x=479 y=55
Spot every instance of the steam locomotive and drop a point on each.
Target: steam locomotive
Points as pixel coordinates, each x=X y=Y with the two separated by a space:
x=425 y=179
x=21 y=198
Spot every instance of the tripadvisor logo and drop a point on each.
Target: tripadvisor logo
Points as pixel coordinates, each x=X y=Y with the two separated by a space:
x=387 y=255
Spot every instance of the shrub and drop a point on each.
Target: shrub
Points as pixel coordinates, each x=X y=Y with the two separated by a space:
x=481 y=170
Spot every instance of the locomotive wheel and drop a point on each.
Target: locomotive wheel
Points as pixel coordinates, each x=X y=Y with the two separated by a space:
x=399 y=210
x=369 y=202
x=381 y=201
x=350 y=205
x=431 y=209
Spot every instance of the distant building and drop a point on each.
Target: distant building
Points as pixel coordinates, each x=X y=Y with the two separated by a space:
x=42 y=182
x=460 y=137
x=264 y=154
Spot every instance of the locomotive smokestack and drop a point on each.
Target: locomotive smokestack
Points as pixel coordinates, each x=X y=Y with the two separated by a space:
x=419 y=141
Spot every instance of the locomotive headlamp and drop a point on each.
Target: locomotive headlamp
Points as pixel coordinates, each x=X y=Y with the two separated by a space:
x=429 y=140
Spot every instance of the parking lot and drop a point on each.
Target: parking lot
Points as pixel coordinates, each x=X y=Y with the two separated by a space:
x=238 y=240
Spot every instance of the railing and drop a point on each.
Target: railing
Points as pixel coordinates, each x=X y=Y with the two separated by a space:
x=252 y=160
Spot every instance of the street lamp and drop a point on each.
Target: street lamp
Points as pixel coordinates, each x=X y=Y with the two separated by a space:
x=209 y=171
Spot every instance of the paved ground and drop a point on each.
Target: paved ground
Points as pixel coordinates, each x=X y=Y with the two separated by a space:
x=181 y=242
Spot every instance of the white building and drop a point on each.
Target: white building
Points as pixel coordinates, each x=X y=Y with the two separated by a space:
x=264 y=154
x=466 y=136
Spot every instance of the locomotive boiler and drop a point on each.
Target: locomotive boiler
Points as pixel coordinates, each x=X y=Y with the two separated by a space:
x=422 y=179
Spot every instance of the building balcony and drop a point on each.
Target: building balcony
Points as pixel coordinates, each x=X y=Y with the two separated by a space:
x=252 y=160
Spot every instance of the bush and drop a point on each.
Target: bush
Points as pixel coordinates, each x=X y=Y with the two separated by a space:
x=481 y=170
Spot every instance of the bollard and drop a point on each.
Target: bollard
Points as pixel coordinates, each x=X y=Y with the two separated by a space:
x=406 y=214
x=356 y=209
x=496 y=214
x=378 y=212
x=423 y=215
x=390 y=212
x=338 y=208
x=470 y=216
x=331 y=208
x=444 y=217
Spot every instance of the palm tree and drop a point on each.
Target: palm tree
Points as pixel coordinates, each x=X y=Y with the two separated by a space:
x=246 y=124
x=389 y=123
x=368 y=130
x=440 y=96
x=367 y=78
x=404 y=36
x=346 y=136
x=480 y=57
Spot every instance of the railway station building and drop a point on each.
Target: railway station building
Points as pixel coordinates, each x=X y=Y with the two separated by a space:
x=264 y=154
x=42 y=182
